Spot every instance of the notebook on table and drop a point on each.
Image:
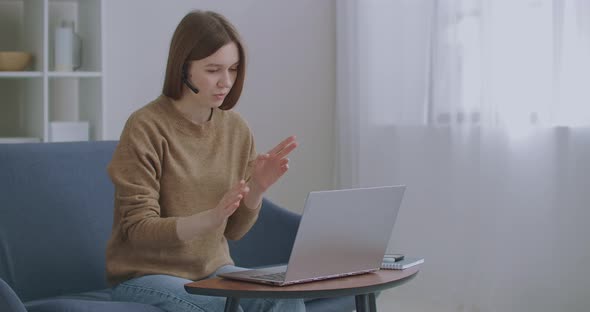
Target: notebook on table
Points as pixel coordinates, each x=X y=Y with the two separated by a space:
x=403 y=264
x=342 y=233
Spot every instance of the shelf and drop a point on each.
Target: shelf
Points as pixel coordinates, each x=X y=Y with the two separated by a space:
x=21 y=74
x=35 y=100
x=34 y=74
x=21 y=29
x=75 y=74
x=19 y=140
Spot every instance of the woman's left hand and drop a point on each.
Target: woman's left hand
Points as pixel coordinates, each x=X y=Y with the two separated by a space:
x=269 y=167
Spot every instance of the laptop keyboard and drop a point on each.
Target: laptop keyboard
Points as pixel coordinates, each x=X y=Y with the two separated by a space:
x=273 y=277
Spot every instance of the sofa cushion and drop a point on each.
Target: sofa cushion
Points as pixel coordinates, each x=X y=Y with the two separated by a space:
x=94 y=301
x=78 y=305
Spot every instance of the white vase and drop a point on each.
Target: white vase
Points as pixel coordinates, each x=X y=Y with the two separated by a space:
x=67 y=48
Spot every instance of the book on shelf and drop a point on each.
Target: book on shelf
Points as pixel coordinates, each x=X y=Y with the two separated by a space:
x=405 y=263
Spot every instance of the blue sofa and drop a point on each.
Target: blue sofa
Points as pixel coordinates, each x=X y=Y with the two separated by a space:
x=55 y=219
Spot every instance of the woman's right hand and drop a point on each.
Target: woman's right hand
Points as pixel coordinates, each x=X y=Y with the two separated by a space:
x=201 y=223
x=229 y=202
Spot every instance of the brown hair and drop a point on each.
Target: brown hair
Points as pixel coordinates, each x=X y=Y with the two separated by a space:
x=198 y=35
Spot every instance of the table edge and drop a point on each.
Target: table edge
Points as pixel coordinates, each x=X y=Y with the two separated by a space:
x=308 y=294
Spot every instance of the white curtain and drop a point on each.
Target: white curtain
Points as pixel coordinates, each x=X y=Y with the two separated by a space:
x=481 y=108
x=511 y=64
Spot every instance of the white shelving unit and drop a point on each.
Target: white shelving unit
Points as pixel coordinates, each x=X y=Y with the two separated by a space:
x=20 y=74
x=31 y=100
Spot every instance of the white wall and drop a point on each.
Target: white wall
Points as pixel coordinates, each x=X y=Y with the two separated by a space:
x=290 y=84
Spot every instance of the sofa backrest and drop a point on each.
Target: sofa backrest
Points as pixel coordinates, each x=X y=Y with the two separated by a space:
x=56 y=207
x=270 y=240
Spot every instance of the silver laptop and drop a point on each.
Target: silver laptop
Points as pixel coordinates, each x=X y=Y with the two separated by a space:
x=342 y=233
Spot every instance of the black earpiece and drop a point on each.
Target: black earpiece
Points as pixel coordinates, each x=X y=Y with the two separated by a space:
x=186 y=81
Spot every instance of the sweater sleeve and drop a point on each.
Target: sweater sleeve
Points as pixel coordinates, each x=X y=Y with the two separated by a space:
x=244 y=217
x=135 y=171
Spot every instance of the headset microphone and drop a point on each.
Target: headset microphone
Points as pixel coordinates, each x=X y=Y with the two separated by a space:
x=186 y=81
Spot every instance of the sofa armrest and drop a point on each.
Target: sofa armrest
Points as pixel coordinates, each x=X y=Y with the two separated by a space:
x=270 y=240
x=9 y=301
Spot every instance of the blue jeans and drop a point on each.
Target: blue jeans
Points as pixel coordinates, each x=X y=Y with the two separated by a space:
x=167 y=293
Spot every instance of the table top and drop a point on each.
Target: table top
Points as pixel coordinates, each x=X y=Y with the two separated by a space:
x=336 y=287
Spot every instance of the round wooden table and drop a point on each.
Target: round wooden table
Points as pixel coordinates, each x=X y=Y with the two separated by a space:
x=363 y=287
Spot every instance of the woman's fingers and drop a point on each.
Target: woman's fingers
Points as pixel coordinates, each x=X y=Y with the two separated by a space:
x=234 y=195
x=240 y=188
x=286 y=142
x=285 y=151
x=231 y=208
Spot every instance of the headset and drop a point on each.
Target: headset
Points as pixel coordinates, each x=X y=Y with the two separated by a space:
x=186 y=81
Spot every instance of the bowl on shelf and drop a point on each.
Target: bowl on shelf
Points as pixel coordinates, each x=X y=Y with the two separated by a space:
x=14 y=60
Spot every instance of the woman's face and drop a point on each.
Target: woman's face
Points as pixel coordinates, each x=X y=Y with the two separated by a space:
x=214 y=75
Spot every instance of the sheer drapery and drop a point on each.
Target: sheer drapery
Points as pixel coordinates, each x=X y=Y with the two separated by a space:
x=480 y=108
x=510 y=64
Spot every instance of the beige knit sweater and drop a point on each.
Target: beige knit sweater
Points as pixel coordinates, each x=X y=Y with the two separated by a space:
x=166 y=167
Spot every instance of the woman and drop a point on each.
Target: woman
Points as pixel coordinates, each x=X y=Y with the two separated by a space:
x=187 y=177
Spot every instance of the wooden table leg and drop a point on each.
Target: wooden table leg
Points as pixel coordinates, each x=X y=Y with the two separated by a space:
x=232 y=304
x=361 y=302
x=372 y=303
